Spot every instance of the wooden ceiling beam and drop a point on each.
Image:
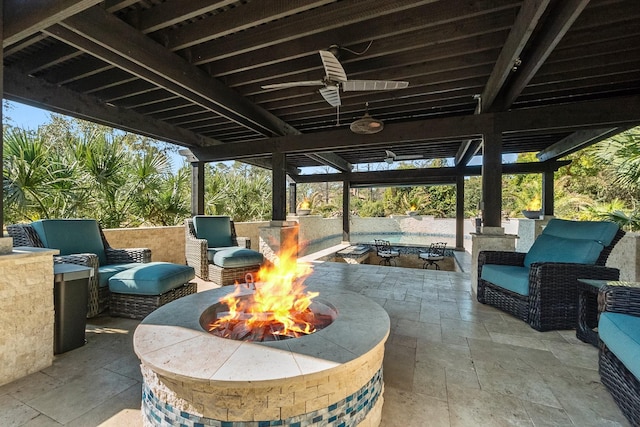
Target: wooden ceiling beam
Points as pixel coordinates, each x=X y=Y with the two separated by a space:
x=169 y=13
x=110 y=39
x=24 y=18
x=577 y=141
x=425 y=176
x=38 y=93
x=235 y=20
x=555 y=118
x=526 y=22
x=552 y=31
x=329 y=17
x=425 y=25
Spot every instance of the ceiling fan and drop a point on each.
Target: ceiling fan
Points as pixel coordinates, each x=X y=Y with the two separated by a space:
x=392 y=157
x=336 y=78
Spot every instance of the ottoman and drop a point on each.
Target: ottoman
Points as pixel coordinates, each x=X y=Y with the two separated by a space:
x=138 y=291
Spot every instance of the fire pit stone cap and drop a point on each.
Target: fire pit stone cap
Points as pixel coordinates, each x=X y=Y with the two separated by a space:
x=168 y=339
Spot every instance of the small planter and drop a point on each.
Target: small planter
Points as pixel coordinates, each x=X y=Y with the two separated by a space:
x=532 y=214
x=303 y=212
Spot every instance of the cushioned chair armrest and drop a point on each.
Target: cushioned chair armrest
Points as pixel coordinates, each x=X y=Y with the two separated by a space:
x=501 y=258
x=244 y=242
x=619 y=299
x=122 y=256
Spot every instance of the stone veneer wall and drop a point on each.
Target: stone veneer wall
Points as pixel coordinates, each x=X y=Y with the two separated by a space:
x=26 y=313
x=167 y=243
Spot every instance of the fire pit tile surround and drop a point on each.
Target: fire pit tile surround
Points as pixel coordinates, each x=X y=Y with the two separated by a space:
x=251 y=384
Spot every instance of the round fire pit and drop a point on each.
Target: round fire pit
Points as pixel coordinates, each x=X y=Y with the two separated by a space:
x=329 y=378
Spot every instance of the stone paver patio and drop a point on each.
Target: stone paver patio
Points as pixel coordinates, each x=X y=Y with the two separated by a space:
x=449 y=361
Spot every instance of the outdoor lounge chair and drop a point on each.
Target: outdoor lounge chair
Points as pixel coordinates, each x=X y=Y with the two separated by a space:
x=619 y=342
x=216 y=253
x=540 y=287
x=81 y=242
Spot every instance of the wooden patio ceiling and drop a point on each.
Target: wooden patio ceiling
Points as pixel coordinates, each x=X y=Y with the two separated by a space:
x=551 y=75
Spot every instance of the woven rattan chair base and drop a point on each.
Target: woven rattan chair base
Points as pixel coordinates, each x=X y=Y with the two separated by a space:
x=229 y=276
x=506 y=301
x=139 y=306
x=622 y=384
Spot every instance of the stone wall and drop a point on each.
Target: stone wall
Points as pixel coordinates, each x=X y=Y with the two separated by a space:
x=166 y=243
x=26 y=313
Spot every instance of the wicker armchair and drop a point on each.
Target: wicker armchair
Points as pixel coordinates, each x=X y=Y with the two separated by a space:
x=26 y=235
x=623 y=385
x=552 y=298
x=200 y=254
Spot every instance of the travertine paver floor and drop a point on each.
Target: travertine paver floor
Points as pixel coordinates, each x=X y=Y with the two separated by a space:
x=450 y=361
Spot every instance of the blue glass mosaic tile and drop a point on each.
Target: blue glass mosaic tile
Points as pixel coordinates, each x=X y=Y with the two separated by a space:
x=348 y=412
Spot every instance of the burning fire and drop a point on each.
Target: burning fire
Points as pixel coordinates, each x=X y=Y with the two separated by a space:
x=279 y=305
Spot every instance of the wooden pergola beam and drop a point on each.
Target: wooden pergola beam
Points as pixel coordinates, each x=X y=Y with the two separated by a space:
x=426 y=176
x=577 y=141
x=25 y=18
x=38 y=93
x=556 y=118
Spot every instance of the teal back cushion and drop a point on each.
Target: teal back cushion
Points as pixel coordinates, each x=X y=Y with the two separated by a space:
x=216 y=229
x=71 y=236
x=600 y=231
x=548 y=248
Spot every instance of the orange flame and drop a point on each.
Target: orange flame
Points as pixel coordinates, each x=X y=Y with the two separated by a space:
x=279 y=302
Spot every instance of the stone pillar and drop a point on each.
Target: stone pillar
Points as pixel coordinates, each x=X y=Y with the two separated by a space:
x=27 y=312
x=491 y=239
x=528 y=232
x=275 y=236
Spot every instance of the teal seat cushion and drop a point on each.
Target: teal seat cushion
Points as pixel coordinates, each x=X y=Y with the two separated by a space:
x=548 y=248
x=105 y=272
x=211 y=252
x=154 y=278
x=237 y=257
x=71 y=236
x=600 y=231
x=621 y=333
x=216 y=229
x=511 y=277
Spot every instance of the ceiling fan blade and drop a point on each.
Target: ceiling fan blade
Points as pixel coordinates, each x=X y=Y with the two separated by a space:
x=293 y=84
x=359 y=85
x=331 y=95
x=332 y=67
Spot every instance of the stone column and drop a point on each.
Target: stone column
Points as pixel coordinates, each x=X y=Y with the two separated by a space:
x=528 y=232
x=27 y=312
x=277 y=235
x=491 y=239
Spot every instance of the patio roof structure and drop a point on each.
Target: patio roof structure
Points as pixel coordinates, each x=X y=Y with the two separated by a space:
x=491 y=77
